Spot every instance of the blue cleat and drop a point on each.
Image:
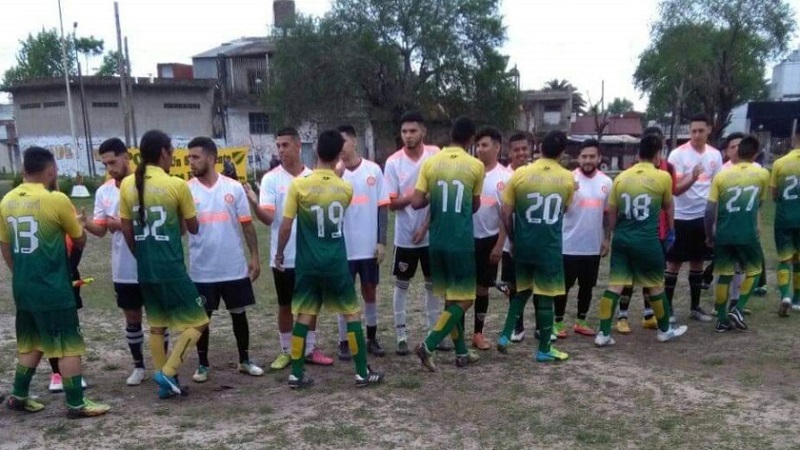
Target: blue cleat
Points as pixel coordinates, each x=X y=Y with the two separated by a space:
x=502 y=344
x=167 y=383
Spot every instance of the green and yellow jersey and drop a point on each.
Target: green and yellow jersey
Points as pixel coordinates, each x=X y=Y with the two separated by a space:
x=786 y=181
x=452 y=177
x=738 y=193
x=34 y=221
x=639 y=193
x=539 y=194
x=167 y=201
x=319 y=202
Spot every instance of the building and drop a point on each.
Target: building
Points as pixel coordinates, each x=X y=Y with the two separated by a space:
x=545 y=110
x=629 y=124
x=10 y=159
x=175 y=70
x=785 y=85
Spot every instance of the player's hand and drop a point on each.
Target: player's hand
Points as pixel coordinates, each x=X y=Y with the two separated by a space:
x=279 y=262
x=82 y=217
x=604 y=248
x=380 y=253
x=670 y=239
x=698 y=169
x=114 y=224
x=254 y=269
x=496 y=255
x=710 y=242
x=251 y=195
x=419 y=235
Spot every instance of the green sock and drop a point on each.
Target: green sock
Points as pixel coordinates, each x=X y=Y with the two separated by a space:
x=784 y=278
x=298 y=349
x=608 y=304
x=796 y=282
x=660 y=308
x=721 y=293
x=22 y=381
x=457 y=334
x=748 y=285
x=73 y=391
x=448 y=319
x=358 y=347
x=515 y=309
x=544 y=320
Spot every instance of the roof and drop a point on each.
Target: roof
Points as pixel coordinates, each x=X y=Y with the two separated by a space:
x=630 y=124
x=90 y=82
x=546 y=94
x=621 y=139
x=246 y=46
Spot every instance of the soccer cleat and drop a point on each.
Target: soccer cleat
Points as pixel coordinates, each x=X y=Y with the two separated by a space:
x=795 y=307
x=560 y=330
x=786 y=305
x=200 y=375
x=650 y=324
x=281 y=362
x=623 y=327
x=723 y=327
x=502 y=344
x=137 y=376
x=373 y=377
x=402 y=348
x=603 y=340
x=318 y=358
x=480 y=342
x=300 y=383
x=83 y=383
x=701 y=316
x=56 y=383
x=582 y=327
x=167 y=382
x=374 y=348
x=672 y=333
x=88 y=409
x=747 y=311
x=736 y=318
x=445 y=346
x=672 y=320
x=425 y=357
x=551 y=356
x=470 y=358
x=250 y=369
x=344 y=351
x=518 y=335
x=23 y=404
x=760 y=291
x=538 y=336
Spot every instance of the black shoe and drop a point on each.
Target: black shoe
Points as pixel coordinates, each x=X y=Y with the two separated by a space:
x=300 y=383
x=374 y=348
x=425 y=357
x=372 y=378
x=760 y=291
x=344 y=351
x=402 y=348
x=737 y=319
x=723 y=327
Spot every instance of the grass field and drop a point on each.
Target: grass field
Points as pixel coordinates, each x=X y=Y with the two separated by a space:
x=736 y=390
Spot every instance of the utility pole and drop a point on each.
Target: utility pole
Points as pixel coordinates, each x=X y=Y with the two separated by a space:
x=64 y=61
x=122 y=84
x=130 y=92
x=87 y=130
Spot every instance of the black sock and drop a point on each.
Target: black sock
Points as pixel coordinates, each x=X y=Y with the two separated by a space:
x=695 y=287
x=481 y=308
x=372 y=331
x=54 y=365
x=625 y=301
x=647 y=308
x=135 y=337
x=520 y=325
x=202 y=344
x=670 y=280
x=241 y=331
x=560 y=307
x=584 y=301
x=708 y=274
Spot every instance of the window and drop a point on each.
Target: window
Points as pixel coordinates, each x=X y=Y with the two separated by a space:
x=53 y=104
x=255 y=82
x=181 y=105
x=30 y=106
x=105 y=104
x=259 y=123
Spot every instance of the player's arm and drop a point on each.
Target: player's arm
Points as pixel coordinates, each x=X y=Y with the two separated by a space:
x=477 y=187
x=687 y=180
x=187 y=209
x=607 y=229
x=710 y=220
x=420 y=200
x=383 y=232
x=5 y=248
x=508 y=222
x=612 y=211
x=70 y=222
x=126 y=227
x=285 y=231
x=263 y=205
x=251 y=238
x=773 y=181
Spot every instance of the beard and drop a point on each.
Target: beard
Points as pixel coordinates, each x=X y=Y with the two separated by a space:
x=592 y=169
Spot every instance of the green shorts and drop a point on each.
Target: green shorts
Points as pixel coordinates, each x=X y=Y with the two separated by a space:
x=787 y=243
x=544 y=277
x=173 y=304
x=336 y=292
x=453 y=274
x=641 y=266
x=55 y=333
x=747 y=257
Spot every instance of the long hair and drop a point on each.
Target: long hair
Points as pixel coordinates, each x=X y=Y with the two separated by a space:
x=150 y=147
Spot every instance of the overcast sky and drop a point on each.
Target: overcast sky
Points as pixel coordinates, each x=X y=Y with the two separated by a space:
x=583 y=41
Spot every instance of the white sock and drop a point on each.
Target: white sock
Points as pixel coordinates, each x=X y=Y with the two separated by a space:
x=342 y=329
x=736 y=284
x=311 y=341
x=286 y=342
x=433 y=306
x=399 y=304
x=371 y=314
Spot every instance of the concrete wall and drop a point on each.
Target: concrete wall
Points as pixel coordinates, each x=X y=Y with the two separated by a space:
x=786 y=79
x=205 y=68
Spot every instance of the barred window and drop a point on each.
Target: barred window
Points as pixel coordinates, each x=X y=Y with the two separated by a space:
x=259 y=123
x=181 y=105
x=58 y=104
x=30 y=106
x=105 y=104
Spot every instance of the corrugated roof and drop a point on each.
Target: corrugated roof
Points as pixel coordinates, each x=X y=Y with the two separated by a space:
x=247 y=46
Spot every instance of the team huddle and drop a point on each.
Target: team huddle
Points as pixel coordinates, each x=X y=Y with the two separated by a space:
x=458 y=218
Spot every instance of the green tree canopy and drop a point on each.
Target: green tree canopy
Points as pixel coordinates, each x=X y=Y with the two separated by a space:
x=620 y=106
x=578 y=102
x=40 y=56
x=109 y=67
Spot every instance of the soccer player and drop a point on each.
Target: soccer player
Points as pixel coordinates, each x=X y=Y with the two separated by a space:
x=785 y=184
x=154 y=210
x=696 y=163
x=319 y=202
x=490 y=236
x=269 y=210
x=535 y=199
x=33 y=223
x=217 y=264
x=114 y=156
x=586 y=237
x=732 y=230
x=451 y=182
x=410 y=226
x=365 y=233
x=637 y=196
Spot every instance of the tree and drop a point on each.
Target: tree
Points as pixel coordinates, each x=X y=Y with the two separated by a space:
x=40 y=56
x=710 y=55
x=109 y=66
x=578 y=102
x=88 y=46
x=386 y=57
x=620 y=106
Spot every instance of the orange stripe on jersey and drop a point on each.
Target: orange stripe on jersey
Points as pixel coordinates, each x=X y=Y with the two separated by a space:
x=100 y=221
x=268 y=207
x=213 y=217
x=384 y=202
x=246 y=219
x=590 y=203
x=488 y=200
x=359 y=200
x=393 y=196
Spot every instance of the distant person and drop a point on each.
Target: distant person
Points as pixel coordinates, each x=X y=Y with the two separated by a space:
x=228 y=168
x=274 y=161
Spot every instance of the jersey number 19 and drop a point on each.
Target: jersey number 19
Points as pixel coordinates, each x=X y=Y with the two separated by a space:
x=335 y=215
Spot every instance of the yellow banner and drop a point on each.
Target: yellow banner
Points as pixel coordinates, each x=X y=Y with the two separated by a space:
x=180 y=161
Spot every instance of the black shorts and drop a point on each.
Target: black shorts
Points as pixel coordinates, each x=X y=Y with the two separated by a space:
x=485 y=271
x=366 y=269
x=507 y=272
x=237 y=294
x=407 y=259
x=581 y=268
x=284 y=285
x=129 y=296
x=690 y=242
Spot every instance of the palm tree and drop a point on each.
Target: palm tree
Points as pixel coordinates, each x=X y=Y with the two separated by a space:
x=578 y=102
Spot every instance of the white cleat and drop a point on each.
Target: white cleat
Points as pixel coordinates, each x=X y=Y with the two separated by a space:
x=251 y=369
x=602 y=340
x=517 y=337
x=137 y=376
x=672 y=333
x=786 y=305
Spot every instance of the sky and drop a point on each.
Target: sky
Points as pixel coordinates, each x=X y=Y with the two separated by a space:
x=587 y=42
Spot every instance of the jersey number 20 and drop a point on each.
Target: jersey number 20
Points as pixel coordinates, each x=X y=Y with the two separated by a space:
x=544 y=209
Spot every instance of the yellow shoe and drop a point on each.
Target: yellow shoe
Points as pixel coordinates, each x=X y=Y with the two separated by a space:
x=650 y=324
x=88 y=409
x=281 y=362
x=623 y=327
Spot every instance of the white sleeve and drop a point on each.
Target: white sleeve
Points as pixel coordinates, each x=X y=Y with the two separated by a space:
x=391 y=181
x=242 y=207
x=100 y=215
x=266 y=197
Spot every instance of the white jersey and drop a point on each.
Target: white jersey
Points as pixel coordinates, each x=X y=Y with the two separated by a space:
x=106 y=205
x=583 y=222
x=692 y=203
x=486 y=222
x=361 y=218
x=215 y=252
x=274 y=186
x=507 y=244
x=401 y=177
x=728 y=164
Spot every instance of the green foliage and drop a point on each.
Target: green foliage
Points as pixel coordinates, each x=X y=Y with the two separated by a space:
x=620 y=106
x=109 y=66
x=578 y=102
x=89 y=46
x=40 y=56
